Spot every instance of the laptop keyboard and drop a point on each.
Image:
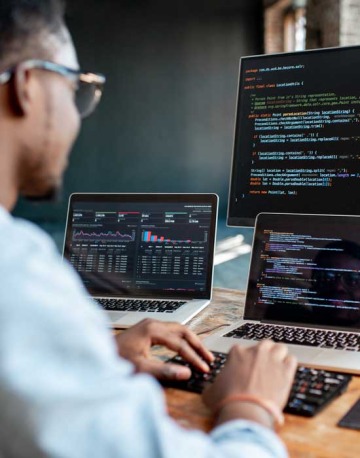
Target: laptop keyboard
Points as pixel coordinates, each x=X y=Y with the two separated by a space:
x=311 y=390
x=140 y=305
x=298 y=336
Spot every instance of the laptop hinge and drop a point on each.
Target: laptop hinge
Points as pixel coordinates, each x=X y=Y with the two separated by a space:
x=308 y=325
x=284 y=323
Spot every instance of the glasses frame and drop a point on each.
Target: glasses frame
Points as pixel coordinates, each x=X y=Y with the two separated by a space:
x=75 y=75
x=339 y=276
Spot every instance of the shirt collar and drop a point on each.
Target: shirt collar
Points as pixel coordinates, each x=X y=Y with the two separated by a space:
x=4 y=214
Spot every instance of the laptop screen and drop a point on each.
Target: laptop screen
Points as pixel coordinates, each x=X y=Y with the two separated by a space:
x=305 y=269
x=143 y=245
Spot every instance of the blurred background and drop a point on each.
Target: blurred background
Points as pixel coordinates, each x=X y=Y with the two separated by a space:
x=166 y=120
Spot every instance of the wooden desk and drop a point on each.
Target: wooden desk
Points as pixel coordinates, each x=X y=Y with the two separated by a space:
x=305 y=438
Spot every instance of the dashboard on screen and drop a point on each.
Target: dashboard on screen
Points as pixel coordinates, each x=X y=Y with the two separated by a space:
x=297 y=135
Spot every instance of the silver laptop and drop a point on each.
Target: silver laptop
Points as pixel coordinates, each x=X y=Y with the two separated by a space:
x=144 y=255
x=303 y=290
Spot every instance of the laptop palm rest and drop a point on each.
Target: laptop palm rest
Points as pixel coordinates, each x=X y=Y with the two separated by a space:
x=310 y=356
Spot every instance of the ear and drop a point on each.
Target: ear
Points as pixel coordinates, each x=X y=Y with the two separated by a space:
x=21 y=91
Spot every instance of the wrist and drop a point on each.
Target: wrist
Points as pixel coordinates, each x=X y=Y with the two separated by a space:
x=245 y=411
x=266 y=405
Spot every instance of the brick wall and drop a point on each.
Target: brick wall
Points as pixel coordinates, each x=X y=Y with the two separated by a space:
x=349 y=22
x=274 y=25
x=323 y=23
x=329 y=23
x=332 y=23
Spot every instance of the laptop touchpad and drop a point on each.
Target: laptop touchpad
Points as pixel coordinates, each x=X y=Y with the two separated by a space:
x=304 y=354
x=113 y=317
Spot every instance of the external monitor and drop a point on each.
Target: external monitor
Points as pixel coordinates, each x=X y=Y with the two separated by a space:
x=297 y=135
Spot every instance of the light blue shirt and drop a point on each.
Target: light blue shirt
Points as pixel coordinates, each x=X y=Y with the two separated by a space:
x=64 y=392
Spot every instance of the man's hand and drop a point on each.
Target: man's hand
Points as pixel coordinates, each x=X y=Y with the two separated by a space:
x=135 y=343
x=265 y=371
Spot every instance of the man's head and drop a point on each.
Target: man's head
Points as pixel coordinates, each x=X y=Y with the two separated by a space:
x=337 y=278
x=39 y=118
x=26 y=26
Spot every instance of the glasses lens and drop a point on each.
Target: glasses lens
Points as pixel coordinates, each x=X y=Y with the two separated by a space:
x=87 y=97
x=324 y=277
x=351 y=279
x=348 y=279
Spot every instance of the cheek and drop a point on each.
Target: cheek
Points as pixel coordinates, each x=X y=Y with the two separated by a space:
x=66 y=123
x=70 y=118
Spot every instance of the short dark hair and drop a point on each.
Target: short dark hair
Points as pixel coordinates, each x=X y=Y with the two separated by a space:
x=22 y=21
x=343 y=246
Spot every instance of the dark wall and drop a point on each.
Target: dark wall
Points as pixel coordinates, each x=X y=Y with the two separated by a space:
x=165 y=123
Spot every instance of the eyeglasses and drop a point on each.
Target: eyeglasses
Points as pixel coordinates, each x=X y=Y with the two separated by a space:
x=349 y=280
x=89 y=86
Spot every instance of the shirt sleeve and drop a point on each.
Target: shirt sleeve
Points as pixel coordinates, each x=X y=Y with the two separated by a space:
x=64 y=392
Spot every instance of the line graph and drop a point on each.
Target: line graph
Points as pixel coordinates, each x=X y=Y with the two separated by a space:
x=106 y=235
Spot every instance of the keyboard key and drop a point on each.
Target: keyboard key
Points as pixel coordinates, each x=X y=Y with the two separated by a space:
x=346 y=341
x=140 y=305
x=311 y=390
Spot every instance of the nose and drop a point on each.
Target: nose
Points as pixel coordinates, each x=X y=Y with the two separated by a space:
x=338 y=284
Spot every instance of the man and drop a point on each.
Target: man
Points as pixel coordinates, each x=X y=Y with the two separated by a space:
x=336 y=281
x=64 y=390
